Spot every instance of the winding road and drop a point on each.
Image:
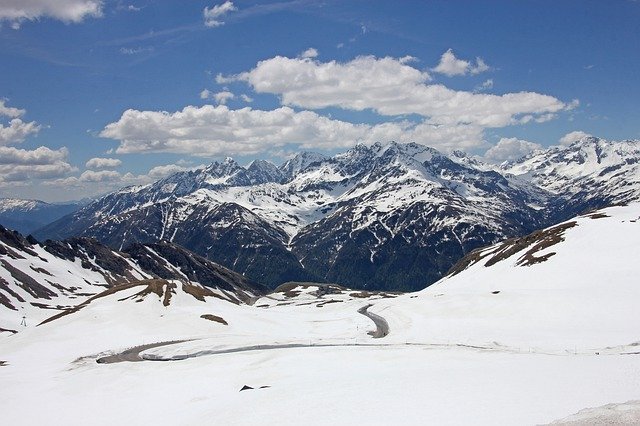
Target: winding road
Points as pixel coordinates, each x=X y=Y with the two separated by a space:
x=134 y=354
x=382 y=326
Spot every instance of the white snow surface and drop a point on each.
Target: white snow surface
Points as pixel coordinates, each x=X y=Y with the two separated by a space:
x=560 y=336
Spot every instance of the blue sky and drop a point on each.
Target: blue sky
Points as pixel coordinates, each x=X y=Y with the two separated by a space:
x=266 y=79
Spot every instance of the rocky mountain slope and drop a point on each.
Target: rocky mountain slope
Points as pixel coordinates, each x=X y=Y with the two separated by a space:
x=25 y=216
x=39 y=279
x=392 y=216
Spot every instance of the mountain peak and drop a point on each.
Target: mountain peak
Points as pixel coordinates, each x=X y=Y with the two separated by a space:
x=300 y=162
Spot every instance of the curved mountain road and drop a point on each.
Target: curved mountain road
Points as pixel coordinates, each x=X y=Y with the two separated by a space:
x=134 y=354
x=382 y=326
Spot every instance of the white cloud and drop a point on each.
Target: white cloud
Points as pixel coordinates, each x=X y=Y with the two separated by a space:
x=389 y=86
x=10 y=111
x=246 y=98
x=128 y=8
x=212 y=15
x=210 y=130
x=450 y=65
x=98 y=163
x=99 y=176
x=510 y=149
x=572 y=137
x=309 y=53
x=485 y=85
x=159 y=172
x=41 y=163
x=92 y=182
x=38 y=156
x=17 y=131
x=135 y=50
x=221 y=98
x=18 y=11
x=480 y=67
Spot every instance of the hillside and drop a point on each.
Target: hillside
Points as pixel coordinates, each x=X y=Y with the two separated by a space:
x=38 y=280
x=526 y=331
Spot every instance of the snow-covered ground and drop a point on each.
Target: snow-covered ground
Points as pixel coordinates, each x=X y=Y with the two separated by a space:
x=559 y=336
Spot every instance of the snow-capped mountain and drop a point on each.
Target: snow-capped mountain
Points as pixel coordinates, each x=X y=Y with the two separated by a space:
x=392 y=216
x=39 y=279
x=589 y=173
x=26 y=216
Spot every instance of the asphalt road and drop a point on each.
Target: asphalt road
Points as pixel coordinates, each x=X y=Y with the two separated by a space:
x=133 y=354
x=382 y=326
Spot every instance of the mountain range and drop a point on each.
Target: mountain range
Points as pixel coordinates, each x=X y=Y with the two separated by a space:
x=380 y=217
x=26 y=216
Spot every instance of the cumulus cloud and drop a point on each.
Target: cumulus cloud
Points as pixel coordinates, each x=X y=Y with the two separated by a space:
x=92 y=182
x=10 y=111
x=450 y=65
x=572 y=137
x=98 y=163
x=246 y=98
x=390 y=86
x=18 y=11
x=485 y=85
x=159 y=172
x=510 y=149
x=17 y=165
x=38 y=156
x=99 y=176
x=214 y=130
x=17 y=131
x=309 y=53
x=212 y=15
x=221 y=98
x=41 y=163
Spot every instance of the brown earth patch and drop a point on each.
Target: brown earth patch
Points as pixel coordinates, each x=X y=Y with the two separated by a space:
x=215 y=318
x=201 y=292
x=534 y=242
x=320 y=305
x=108 y=292
x=598 y=216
